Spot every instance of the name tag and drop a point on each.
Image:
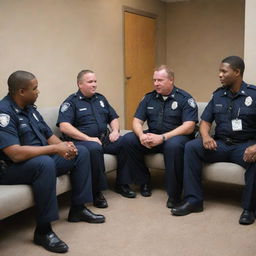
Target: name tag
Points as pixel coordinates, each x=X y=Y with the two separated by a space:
x=237 y=125
x=82 y=109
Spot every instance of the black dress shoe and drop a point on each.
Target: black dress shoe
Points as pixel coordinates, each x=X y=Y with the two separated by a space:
x=145 y=190
x=99 y=201
x=172 y=203
x=186 y=209
x=85 y=215
x=125 y=191
x=247 y=217
x=50 y=242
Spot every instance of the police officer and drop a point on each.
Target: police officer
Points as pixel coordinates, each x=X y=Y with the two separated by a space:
x=31 y=154
x=84 y=118
x=171 y=115
x=233 y=108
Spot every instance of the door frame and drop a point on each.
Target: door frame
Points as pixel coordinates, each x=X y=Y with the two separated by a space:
x=141 y=13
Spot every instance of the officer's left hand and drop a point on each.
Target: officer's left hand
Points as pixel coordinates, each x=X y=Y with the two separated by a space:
x=114 y=136
x=154 y=139
x=250 y=154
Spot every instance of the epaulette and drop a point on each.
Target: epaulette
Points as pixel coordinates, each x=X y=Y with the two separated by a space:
x=182 y=92
x=218 y=89
x=152 y=92
x=251 y=86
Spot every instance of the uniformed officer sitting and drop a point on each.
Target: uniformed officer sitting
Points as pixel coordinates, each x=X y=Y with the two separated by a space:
x=84 y=118
x=171 y=115
x=31 y=154
x=233 y=108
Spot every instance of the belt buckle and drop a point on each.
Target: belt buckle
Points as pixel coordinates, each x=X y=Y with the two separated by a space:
x=229 y=141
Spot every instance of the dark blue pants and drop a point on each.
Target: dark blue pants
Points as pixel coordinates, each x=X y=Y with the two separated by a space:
x=173 y=151
x=40 y=172
x=99 y=181
x=196 y=154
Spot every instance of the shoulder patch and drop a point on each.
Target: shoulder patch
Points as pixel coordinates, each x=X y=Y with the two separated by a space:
x=4 y=120
x=191 y=103
x=64 y=107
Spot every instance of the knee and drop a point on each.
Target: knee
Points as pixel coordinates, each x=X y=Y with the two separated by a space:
x=193 y=145
x=43 y=165
x=83 y=151
x=173 y=145
x=129 y=139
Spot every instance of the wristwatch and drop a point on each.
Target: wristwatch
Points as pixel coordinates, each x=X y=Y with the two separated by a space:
x=163 y=137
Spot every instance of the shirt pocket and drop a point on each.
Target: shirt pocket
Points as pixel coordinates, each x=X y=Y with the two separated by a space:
x=83 y=115
x=104 y=115
x=25 y=133
x=152 y=113
x=173 y=117
x=247 y=111
x=220 y=113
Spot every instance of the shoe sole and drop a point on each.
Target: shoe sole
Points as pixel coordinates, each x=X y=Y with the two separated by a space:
x=101 y=207
x=199 y=209
x=49 y=248
x=92 y=222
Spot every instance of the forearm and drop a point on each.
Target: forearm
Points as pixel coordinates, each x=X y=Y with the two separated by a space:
x=114 y=124
x=19 y=153
x=72 y=132
x=205 y=128
x=53 y=140
x=137 y=126
x=185 y=129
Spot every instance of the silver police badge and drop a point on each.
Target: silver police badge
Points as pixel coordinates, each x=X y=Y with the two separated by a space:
x=64 y=107
x=4 y=120
x=102 y=103
x=248 y=101
x=174 y=105
x=191 y=103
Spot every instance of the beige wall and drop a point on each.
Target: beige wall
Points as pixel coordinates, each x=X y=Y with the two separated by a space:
x=54 y=39
x=250 y=41
x=200 y=33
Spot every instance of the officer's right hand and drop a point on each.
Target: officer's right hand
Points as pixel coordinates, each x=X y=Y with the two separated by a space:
x=144 y=140
x=209 y=143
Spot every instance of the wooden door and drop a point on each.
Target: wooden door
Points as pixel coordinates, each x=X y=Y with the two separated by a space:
x=140 y=48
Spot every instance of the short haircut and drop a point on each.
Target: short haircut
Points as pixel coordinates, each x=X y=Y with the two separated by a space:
x=235 y=62
x=19 y=80
x=168 y=70
x=82 y=73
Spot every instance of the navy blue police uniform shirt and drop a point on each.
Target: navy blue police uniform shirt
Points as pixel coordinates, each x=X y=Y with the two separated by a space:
x=165 y=115
x=225 y=107
x=21 y=126
x=89 y=115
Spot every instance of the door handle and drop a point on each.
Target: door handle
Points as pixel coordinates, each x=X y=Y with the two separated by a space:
x=128 y=77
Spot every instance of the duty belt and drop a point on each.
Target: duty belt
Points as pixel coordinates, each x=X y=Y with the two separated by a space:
x=231 y=141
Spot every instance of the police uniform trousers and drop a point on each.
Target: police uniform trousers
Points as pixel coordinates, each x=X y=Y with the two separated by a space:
x=196 y=154
x=173 y=151
x=40 y=172
x=99 y=180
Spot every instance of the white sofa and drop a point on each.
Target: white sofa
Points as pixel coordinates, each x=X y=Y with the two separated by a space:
x=15 y=198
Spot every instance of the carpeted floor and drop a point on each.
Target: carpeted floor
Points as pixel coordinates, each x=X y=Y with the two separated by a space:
x=143 y=227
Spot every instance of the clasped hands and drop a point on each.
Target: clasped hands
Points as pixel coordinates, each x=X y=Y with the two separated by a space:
x=67 y=150
x=150 y=140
